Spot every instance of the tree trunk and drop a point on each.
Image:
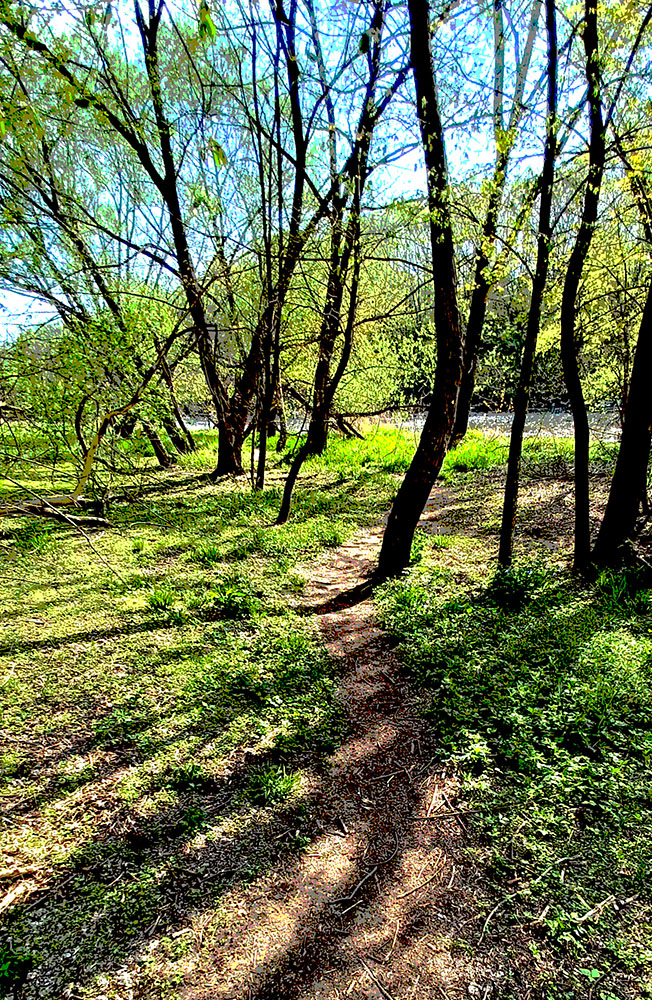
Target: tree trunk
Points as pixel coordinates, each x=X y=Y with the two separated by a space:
x=229 y=452
x=179 y=443
x=504 y=145
x=282 y=420
x=629 y=484
x=569 y=346
x=534 y=317
x=424 y=468
x=162 y=456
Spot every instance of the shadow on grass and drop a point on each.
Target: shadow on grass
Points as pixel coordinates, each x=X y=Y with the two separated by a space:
x=134 y=628
x=142 y=875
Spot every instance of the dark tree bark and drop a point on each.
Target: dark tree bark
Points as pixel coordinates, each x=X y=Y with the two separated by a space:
x=282 y=420
x=162 y=456
x=569 y=345
x=629 y=484
x=420 y=477
x=178 y=441
x=189 y=443
x=538 y=287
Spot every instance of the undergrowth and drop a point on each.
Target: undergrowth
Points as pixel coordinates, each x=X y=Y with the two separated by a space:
x=539 y=693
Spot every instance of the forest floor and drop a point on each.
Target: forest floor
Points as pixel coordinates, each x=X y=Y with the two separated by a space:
x=232 y=772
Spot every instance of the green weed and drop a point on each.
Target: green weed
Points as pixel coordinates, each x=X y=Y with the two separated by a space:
x=272 y=784
x=14 y=966
x=32 y=536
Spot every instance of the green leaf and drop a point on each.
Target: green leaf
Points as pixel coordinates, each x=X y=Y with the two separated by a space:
x=207 y=29
x=364 y=42
x=219 y=156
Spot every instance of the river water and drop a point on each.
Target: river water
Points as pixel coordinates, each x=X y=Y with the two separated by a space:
x=604 y=424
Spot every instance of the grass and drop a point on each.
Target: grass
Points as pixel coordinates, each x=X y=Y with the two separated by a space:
x=159 y=699
x=539 y=693
x=162 y=703
x=543 y=456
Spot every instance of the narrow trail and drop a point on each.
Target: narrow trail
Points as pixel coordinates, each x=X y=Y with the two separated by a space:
x=380 y=903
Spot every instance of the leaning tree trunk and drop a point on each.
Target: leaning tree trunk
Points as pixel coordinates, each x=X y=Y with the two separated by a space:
x=162 y=457
x=420 y=477
x=629 y=483
x=308 y=448
x=534 y=317
x=569 y=346
x=179 y=443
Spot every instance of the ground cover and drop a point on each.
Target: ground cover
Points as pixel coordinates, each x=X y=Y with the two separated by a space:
x=189 y=761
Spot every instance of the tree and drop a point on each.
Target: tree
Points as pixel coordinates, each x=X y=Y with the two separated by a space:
x=538 y=288
x=505 y=139
x=420 y=477
x=629 y=483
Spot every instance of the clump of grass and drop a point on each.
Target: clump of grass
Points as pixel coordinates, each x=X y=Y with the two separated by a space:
x=32 y=536
x=207 y=554
x=441 y=541
x=187 y=777
x=272 y=784
x=161 y=599
x=232 y=598
x=623 y=589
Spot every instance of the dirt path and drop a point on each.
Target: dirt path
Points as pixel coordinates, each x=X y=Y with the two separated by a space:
x=382 y=901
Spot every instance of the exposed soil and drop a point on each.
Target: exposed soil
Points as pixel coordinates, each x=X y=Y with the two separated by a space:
x=386 y=902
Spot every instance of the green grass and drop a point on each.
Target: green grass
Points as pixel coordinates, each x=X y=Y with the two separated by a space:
x=542 y=456
x=160 y=700
x=539 y=694
x=134 y=677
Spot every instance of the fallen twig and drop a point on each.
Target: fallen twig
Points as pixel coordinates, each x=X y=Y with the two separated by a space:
x=351 y=896
x=420 y=886
x=595 y=910
x=385 y=992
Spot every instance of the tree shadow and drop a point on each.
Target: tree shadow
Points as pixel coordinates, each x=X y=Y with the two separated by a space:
x=346 y=599
x=142 y=874
x=92 y=635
